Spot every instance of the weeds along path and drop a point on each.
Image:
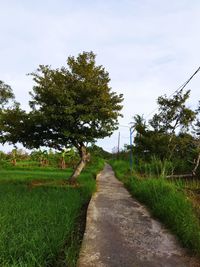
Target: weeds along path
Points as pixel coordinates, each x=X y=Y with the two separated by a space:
x=120 y=232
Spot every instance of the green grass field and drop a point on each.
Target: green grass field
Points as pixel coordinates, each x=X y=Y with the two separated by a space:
x=167 y=200
x=24 y=175
x=41 y=219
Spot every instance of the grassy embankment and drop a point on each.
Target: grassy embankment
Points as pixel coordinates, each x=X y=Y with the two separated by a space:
x=40 y=217
x=167 y=200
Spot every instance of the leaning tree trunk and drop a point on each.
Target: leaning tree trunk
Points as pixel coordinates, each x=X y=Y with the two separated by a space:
x=85 y=157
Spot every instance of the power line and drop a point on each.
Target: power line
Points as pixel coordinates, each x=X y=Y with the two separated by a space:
x=178 y=89
x=184 y=85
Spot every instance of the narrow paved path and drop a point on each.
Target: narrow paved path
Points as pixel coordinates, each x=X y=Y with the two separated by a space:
x=121 y=233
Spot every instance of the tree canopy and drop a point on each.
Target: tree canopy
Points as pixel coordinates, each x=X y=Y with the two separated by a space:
x=76 y=103
x=173 y=113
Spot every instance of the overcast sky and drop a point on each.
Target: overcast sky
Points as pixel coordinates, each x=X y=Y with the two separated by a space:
x=149 y=47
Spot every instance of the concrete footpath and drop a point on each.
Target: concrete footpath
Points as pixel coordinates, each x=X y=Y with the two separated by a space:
x=121 y=233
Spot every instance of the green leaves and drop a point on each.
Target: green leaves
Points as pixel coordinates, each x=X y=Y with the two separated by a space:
x=173 y=113
x=77 y=101
x=6 y=94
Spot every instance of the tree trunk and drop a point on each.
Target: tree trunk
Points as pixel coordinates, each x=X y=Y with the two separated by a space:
x=62 y=164
x=196 y=165
x=14 y=162
x=85 y=157
x=41 y=162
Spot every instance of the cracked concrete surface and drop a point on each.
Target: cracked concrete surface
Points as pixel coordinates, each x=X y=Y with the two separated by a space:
x=121 y=233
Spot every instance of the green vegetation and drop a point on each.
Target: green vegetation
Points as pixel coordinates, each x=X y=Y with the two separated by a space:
x=171 y=137
x=191 y=188
x=26 y=175
x=167 y=201
x=39 y=158
x=41 y=218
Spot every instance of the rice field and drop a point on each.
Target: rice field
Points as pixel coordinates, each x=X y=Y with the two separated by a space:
x=41 y=218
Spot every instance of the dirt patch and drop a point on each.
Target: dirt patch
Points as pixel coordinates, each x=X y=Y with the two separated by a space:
x=37 y=183
x=60 y=183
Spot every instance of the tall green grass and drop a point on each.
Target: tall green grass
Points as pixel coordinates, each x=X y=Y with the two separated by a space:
x=35 y=223
x=24 y=175
x=155 y=167
x=42 y=225
x=167 y=202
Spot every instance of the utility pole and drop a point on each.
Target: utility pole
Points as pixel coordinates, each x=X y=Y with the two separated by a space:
x=118 y=146
x=131 y=130
x=131 y=148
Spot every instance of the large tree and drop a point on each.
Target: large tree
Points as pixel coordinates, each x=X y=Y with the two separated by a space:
x=70 y=106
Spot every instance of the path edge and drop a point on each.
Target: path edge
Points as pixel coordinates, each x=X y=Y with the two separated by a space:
x=90 y=217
